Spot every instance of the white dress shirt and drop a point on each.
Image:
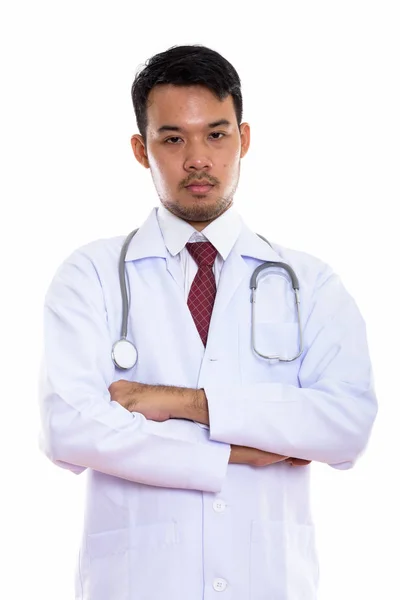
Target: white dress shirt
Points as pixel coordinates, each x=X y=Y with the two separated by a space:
x=223 y=233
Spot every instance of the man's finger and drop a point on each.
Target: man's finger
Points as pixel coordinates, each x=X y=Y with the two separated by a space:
x=298 y=462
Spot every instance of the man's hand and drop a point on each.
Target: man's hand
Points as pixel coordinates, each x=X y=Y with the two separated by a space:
x=298 y=462
x=155 y=402
x=241 y=455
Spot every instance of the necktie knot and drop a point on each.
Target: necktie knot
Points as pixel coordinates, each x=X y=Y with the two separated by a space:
x=204 y=253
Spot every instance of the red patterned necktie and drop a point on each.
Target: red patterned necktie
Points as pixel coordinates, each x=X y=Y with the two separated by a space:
x=202 y=292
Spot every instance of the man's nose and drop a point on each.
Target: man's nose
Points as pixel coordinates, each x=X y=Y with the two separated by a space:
x=197 y=159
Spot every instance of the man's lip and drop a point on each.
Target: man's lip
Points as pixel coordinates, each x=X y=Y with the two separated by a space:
x=200 y=189
x=199 y=183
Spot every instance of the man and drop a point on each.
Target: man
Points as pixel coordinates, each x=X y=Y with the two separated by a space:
x=198 y=454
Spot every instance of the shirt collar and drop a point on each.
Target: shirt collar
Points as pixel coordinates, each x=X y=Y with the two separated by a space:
x=223 y=232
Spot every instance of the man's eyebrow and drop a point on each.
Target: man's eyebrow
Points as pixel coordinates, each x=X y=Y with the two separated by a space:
x=181 y=129
x=219 y=123
x=169 y=128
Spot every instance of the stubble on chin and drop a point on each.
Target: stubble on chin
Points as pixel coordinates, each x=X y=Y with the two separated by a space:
x=200 y=211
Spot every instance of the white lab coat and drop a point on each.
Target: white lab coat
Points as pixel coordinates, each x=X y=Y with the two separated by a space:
x=166 y=517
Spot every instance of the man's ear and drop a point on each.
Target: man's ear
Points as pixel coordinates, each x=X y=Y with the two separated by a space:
x=139 y=150
x=244 y=139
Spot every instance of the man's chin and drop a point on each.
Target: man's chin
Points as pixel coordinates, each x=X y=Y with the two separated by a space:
x=205 y=210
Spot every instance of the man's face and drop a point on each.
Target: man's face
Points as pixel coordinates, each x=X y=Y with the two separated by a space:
x=193 y=149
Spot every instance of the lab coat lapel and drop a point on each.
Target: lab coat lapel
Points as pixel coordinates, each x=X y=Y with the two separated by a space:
x=232 y=274
x=149 y=242
x=175 y=270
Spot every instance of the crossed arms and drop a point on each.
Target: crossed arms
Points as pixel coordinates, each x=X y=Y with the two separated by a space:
x=161 y=403
x=146 y=434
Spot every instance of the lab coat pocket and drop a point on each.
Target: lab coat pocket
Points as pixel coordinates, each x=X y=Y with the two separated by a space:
x=283 y=561
x=156 y=558
x=108 y=571
x=154 y=535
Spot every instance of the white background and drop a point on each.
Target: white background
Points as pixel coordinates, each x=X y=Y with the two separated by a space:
x=321 y=92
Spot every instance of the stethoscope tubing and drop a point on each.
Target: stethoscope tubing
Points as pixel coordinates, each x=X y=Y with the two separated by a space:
x=124 y=344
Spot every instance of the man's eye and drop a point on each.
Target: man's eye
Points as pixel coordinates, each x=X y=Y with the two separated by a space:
x=173 y=140
x=215 y=135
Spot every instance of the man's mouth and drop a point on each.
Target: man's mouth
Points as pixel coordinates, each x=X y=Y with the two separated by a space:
x=199 y=187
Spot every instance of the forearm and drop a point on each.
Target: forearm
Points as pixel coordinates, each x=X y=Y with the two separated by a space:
x=192 y=405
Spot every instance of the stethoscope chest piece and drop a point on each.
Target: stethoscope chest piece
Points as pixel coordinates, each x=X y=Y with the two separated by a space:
x=124 y=354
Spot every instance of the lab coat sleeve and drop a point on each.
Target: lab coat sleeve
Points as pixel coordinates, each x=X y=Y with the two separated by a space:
x=328 y=417
x=81 y=426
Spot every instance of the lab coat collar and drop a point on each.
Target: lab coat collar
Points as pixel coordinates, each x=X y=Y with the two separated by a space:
x=149 y=242
x=249 y=244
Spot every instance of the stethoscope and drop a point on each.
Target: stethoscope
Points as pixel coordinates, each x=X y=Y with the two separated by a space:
x=124 y=353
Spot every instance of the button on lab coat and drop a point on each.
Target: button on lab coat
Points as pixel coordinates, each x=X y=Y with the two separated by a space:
x=166 y=516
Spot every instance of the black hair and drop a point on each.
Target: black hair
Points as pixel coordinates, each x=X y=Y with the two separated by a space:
x=184 y=66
